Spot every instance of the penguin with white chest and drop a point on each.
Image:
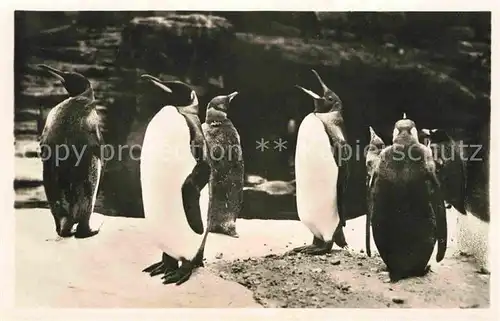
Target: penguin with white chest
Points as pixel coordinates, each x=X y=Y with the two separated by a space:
x=70 y=146
x=227 y=167
x=406 y=207
x=174 y=181
x=321 y=172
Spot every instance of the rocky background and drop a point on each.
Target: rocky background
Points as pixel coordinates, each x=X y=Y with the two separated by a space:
x=433 y=66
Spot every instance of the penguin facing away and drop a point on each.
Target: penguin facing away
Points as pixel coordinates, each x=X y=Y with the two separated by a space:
x=450 y=167
x=174 y=177
x=70 y=147
x=321 y=172
x=406 y=207
x=227 y=166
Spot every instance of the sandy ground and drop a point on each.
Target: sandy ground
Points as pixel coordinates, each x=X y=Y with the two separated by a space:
x=105 y=271
x=352 y=280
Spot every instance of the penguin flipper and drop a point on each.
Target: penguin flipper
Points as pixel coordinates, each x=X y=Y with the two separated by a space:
x=200 y=175
x=370 y=183
x=191 y=188
x=436 y=201
x=341 y=156
x=367 y=234
x=459 y=200
x=438 y=207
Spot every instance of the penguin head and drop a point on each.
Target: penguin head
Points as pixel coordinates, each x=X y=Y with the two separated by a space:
x=376 y=143
x=157 y=82
x=372 y=155
x=405 y=131
x=184 y=98
x=74 y=83
x=218 y=107
x=435 y=139
x=435 y=135
x=329 y=102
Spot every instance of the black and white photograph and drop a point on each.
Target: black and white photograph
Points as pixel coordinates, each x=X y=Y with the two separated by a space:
x=252 y=159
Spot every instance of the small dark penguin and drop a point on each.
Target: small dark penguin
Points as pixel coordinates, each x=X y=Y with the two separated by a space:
x=174 y=177
x=372 y=155
x=406 y=207
x=450 y=166
x=372 y=159
x=321 y=172
x=70 y=146
x=227 y=167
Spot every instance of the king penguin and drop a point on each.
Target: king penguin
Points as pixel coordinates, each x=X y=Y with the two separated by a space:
x=225 y=157
x=71 y=182
x=406 y=207
x=174 y=178
x=321 y=172
x=450 y=166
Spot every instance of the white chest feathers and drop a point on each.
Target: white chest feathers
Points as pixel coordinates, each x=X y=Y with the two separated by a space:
x=316 y=175
x=166 y=161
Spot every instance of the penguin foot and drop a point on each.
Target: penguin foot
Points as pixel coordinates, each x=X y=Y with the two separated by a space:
x=159 y=269
x=425 y=271
x=165 y=266
x=169 y=274
x=64 y=226
x=310 y=250
x=297 y=249
x=395 y=277
x=315 y=250
x=229 y=231
x=153 y=267
x=180 y=275
x=84 y=231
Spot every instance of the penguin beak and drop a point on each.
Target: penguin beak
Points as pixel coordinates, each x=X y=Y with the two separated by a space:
x=231 y=96
x=325 y=88
x=309 y=92
x=157 y=82
x=373 y=135
x=57 y=73
x=372 y=132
